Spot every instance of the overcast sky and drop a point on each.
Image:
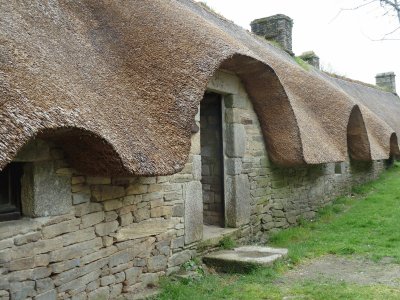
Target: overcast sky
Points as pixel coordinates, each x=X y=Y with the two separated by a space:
x=343 y=42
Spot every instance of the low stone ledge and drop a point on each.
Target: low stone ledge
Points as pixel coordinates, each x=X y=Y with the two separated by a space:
x=144 y=229
x=13 y=228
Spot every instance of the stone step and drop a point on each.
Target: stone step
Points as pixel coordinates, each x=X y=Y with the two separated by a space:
x=212 y=236
x=243 y=259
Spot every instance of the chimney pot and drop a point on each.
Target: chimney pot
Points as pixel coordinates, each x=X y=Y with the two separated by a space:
x=386 y=81
x=277 y=28
x=311 y=58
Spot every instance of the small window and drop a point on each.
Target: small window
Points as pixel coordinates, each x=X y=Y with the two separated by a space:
x=10 y=192
x=339 y=168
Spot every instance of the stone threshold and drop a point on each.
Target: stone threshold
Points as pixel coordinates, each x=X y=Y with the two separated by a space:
x=214 y=232
x=212 y=235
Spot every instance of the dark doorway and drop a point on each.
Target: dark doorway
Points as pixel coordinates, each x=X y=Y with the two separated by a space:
x=211 y=141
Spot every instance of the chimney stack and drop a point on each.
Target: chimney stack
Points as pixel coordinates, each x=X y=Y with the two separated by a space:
x=277 y=28
x=311 y=58
x=386 y=81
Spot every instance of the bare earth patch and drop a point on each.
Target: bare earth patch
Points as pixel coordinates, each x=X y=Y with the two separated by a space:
x=346 y=269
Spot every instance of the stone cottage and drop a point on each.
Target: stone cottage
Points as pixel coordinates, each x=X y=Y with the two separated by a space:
x=136 y=133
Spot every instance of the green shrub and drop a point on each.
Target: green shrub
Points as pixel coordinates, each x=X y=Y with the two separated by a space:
x=227 y=243
x=304 y=65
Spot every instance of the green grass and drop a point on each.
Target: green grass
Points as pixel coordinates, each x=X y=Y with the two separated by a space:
x=273 y=43
x=302 y=63
x=260 y=285
x=369 y=227
x=365 y=224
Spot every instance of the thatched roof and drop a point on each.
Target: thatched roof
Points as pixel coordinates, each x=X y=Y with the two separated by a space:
x=118 y=83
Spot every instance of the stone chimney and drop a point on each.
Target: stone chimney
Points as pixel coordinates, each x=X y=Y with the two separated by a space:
x=386 y=81
x=277 y=28
x=311 y=58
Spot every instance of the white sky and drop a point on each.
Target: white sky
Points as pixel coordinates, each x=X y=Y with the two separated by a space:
x=344 y=44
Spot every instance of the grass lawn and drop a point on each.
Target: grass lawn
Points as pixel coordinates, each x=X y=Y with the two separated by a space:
x=363 y=225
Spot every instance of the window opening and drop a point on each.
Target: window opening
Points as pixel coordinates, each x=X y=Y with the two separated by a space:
x=338 y=168
x=10 y=192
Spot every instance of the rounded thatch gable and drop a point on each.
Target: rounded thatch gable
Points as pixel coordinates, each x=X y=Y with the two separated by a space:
x=118 y=85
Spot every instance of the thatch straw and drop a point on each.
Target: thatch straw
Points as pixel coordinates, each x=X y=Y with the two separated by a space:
x=118 y=83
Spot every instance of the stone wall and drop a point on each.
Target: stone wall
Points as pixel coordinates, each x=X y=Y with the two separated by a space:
x=278 y=197
x=119 y=235
x=97 y=237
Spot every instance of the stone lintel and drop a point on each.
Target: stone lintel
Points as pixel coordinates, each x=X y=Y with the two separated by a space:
x=223 y=83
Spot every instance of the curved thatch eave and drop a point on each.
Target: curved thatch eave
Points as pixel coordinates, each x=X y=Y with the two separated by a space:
x=380 y=111
x=270 y=102
x=89 y=151
x=128 y=76
x=394 y=145
x=357 y=137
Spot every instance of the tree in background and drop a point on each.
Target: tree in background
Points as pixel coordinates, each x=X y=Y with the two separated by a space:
x=390 y=8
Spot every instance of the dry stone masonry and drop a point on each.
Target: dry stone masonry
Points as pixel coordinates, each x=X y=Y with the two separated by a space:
x=267 y=198
x=88 y=237
x=277 y=28
x=118 y=236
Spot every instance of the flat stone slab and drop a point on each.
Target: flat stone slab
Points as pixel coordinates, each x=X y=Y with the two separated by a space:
x=12 y=228
x=244 y=259
x=143 y=229
x=215 y=232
